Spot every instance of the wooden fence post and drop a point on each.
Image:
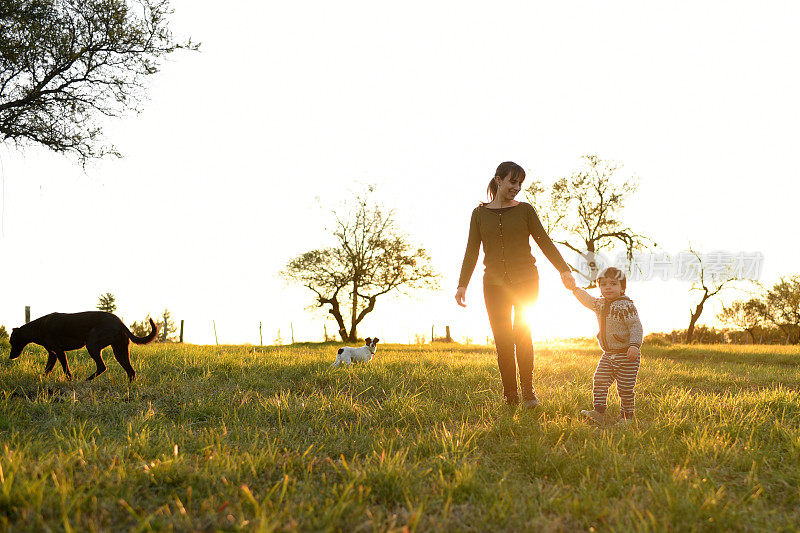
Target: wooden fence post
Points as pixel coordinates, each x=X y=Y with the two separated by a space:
x=27 y=313
x=260 y=336
x=181 y=331
x=448 y=337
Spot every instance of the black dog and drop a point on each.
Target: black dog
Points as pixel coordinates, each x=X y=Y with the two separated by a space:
x=61 y=332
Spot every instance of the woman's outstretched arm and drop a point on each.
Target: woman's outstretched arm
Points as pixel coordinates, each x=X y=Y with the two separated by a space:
x=543 y=240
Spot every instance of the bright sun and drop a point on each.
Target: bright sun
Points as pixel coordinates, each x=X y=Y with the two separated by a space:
x=559 y=315
x=530 y=314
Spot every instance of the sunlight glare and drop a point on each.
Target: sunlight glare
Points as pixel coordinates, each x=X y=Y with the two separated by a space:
x=559 y=316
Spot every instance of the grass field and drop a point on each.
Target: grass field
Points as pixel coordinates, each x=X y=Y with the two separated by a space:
x=240 y=437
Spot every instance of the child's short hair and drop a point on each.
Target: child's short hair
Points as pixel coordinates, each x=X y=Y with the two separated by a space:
x=614 y=273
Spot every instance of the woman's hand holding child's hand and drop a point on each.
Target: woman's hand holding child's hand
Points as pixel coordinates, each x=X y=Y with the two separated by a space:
x=633 y=353
x=569 y=281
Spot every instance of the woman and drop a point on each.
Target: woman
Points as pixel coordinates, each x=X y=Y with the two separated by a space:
x=510 y=280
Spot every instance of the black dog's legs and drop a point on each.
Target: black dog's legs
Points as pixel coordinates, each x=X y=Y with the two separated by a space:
x=122 y=356
x=95 y=349
x=62 y=358
x=51 y=361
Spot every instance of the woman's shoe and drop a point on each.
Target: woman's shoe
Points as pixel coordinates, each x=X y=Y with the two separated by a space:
x=531 y=403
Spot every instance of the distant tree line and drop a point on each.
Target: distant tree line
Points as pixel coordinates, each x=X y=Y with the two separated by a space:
x=704 y=334
x=773 y=313
x=770 y=316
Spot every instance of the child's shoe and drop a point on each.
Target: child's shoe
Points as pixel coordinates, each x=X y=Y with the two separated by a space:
x=626 y=422
x=595 y=416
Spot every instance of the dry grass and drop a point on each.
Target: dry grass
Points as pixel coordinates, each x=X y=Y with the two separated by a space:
x=234 y=438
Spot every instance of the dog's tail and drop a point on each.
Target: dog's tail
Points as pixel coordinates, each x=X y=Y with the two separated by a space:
x=148 y=338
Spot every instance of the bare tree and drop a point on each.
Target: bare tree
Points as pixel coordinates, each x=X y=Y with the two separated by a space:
x=710 y=282
x=371 y=258
x=745 y=315
x=583 y=212
x=65 y=64
x=107 y=302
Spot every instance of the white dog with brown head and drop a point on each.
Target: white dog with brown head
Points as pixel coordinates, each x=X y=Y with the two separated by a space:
x=348 y=355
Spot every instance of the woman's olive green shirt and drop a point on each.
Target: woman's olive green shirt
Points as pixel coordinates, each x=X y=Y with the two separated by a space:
x=505 y=234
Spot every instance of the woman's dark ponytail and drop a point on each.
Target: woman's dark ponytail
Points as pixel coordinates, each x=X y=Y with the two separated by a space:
x=491 y=190
x=503 y=171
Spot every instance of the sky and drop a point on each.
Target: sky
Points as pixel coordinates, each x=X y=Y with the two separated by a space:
x=244 y=149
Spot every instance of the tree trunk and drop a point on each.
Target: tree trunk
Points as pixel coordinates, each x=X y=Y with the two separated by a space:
x=785 y=331
x=796 y=329
x=591 y=260
x=353 y=316
x=364 y=312
x=696 y=315
x=337 y=314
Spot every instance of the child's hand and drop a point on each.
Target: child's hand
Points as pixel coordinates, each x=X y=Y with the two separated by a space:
x=634 y=353
x=568 y=280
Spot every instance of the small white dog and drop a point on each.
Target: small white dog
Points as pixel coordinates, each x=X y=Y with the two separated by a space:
x=349 y=355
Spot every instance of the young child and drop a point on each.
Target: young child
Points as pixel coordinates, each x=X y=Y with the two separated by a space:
x=620 y=337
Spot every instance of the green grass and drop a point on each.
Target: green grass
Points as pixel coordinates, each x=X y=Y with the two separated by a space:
x=235 y=437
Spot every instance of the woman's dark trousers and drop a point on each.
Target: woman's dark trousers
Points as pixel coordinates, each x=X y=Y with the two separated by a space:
x=513 y=339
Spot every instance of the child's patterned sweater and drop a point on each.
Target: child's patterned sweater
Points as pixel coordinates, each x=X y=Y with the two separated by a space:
x=620 y=327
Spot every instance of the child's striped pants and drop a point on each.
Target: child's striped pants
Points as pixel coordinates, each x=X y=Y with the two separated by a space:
x=611 y=367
